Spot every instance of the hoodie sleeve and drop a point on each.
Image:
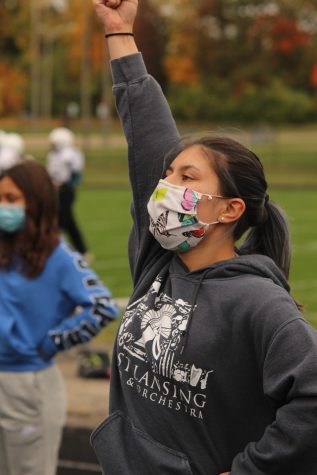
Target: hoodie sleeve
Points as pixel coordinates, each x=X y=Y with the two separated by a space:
x=289 y=444
x=150 y=132
x=90 y=306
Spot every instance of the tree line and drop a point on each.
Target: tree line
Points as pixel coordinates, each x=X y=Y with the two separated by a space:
x=227 y=60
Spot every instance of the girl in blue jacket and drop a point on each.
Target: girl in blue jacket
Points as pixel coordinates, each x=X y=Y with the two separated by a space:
x=42 y=282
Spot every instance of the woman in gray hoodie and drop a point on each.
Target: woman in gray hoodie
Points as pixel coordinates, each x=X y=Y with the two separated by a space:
x=214 y=367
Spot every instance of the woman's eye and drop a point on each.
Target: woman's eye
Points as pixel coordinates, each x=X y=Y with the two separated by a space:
x=186 y=178
x=12 y=198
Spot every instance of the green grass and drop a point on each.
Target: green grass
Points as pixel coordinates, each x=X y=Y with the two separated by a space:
x=104 y=217
x=301 y=206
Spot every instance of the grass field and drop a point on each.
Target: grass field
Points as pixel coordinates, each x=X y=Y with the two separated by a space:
x=290 y=160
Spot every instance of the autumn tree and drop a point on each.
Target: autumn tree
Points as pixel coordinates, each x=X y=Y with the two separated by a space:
x=151 y=35
x=215 y=55
x=13 y=63
x=247 y=49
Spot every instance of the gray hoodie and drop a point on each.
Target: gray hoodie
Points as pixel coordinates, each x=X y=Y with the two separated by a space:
x=213 y=370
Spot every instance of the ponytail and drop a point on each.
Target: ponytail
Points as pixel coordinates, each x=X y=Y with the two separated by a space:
x=270 y=237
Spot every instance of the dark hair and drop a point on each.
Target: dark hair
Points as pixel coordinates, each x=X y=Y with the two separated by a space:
x=40 y=235
x=241 y=174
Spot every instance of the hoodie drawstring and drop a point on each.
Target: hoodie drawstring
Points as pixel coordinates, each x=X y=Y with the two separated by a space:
x=186 y=332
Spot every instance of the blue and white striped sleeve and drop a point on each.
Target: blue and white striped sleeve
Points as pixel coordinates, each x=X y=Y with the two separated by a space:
x=92 y=308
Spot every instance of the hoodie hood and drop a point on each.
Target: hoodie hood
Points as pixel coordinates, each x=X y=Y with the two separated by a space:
x=253 y=264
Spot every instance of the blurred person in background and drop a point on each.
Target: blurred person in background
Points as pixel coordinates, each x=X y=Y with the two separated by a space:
x=12 y=149
x=2 y=137
x=50 y=301
x=65 y=164
x=214 y=367
x=2 y=140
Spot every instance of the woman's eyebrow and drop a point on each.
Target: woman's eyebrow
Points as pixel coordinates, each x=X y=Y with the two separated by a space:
x=184 y=168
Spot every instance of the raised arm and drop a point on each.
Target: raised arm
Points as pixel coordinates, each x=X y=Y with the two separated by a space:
x=146 y=118
x=145 y=115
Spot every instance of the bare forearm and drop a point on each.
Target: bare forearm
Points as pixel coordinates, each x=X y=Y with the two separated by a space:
x=119 y=46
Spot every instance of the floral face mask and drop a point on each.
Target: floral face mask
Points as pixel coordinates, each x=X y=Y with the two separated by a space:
x=173 y=216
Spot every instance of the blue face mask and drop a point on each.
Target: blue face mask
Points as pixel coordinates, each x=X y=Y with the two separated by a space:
x=12 y=218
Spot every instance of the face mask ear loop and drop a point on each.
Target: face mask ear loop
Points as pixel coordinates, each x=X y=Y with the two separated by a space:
x=211 y=197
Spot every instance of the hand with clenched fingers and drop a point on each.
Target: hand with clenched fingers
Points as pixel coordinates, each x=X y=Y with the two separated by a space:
x=116 y=15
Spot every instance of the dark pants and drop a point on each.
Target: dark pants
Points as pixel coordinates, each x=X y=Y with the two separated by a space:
x=66 y=198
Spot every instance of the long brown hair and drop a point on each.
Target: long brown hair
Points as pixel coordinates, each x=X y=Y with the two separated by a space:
x=31 y=246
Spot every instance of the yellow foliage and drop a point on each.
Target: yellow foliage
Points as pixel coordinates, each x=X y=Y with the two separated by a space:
x=12 y=94
x=181 y=70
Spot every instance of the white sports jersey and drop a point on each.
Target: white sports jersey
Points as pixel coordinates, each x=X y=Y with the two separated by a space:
x=62 y=163
x=8 y=157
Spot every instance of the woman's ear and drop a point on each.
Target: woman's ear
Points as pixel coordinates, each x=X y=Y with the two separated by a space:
x=234 y=209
